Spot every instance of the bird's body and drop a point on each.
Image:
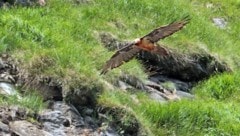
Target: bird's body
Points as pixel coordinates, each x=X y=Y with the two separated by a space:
x=147 y=43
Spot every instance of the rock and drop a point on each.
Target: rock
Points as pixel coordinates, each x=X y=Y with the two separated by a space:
x=54 y=129
x=24 y=128
x=87 y=111
x=12 y=113
x=182 y=94
x=4 y=129
x=157 y=94
x=123 y=85
x=6 y=77
x=42 y=2
x=108 y=132
x=55 y=117
x=63 y=120
x=193 y=67
x=132 y=81
x=70 y=113
x=10 y=123
x=62 y=116
x=90 y=122
x=178 y=84
x=157 y=97
x=24 y=2
x=9 y=115
x=220 y=22
x=7 y=89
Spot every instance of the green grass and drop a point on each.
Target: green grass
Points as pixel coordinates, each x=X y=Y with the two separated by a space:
x=61 y=39
x=197 y=117
x=223 y=87
x=31 y=101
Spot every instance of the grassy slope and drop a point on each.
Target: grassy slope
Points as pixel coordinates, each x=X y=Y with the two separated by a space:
x=61 y=40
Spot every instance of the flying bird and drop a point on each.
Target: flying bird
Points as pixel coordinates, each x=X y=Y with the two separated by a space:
x=147 y=43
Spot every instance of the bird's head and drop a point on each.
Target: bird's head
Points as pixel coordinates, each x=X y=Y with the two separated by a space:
x=137 y=41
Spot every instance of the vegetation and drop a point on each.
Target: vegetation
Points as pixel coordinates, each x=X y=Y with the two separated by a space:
x=64 y=35
x=31 y=100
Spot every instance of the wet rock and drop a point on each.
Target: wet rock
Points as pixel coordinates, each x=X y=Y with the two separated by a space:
x=182 y=94
x=87 y=111
x=7 y=89
x=90 y=122
x=162 y=88
x=178 y=84
x=4 y=129
x=69 y=112
x=157 y=92
x=55 y=117
x=64 y=119
x=61 y=119
x=107 y=132
x=220 y=22
x=54 y=129
x=159 y=88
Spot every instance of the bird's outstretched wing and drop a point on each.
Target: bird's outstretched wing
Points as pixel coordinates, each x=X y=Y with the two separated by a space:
x=123 y=55
x=165 y=31
x=145 y=43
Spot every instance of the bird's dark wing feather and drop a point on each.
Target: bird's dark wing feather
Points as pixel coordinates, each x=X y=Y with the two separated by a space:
x=160 y=50
x=123 y=55
x=165 y=31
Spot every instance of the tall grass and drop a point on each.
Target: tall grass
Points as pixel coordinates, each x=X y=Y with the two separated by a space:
x=31 y=101
x=221 y=87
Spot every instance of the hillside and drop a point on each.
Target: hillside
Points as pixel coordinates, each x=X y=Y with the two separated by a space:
x=58 y=51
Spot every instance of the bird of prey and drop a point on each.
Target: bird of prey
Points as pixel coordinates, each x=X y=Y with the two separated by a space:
x=147 y=43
